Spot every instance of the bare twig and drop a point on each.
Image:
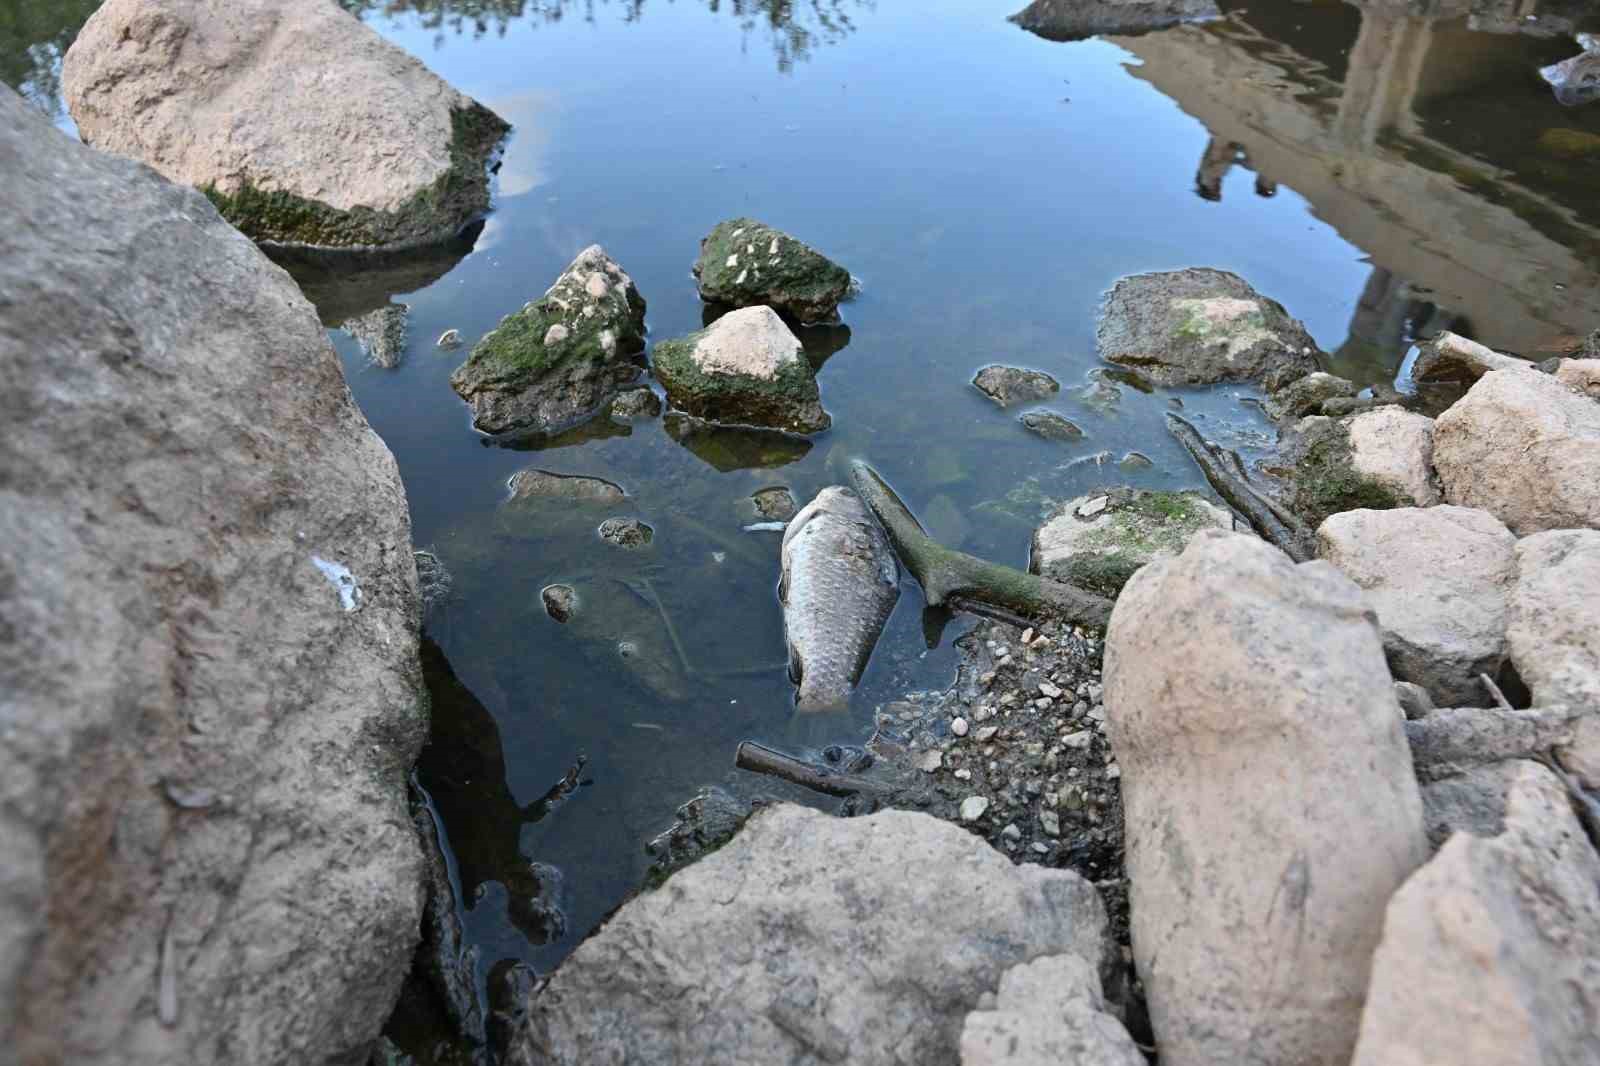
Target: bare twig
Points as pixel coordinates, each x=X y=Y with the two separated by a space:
x=760 y=759
x=1224 y=470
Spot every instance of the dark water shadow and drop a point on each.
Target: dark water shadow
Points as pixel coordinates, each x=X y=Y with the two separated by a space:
x=344 y=285
x=729 y=448
x=821 y=340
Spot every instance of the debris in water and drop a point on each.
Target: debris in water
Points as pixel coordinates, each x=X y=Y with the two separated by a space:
x=340 y=577
x=766 y=527
x=450 y=339
x=433 y=580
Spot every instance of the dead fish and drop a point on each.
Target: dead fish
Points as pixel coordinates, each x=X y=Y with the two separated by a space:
x=840 y=583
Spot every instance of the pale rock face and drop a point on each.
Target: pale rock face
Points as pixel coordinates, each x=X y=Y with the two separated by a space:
x=1554 y=629
x=209 y=686
x=1488 y=951
x=291 y=96
x=1439 y=578
x=1048 y=1012
x=1582 y=375
x=752 y=341
x=1098 y=541
x=1238 y=681
x=858 y=940
x=1525 y=448
x=1394 y=447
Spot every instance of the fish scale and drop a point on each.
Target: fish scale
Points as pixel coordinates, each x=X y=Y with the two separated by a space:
x=840 y=584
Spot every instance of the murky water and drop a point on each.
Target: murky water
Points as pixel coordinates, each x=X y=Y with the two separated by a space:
x=1380 y=175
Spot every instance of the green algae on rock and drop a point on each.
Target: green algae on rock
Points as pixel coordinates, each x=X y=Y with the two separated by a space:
x=746 y=368
x=560 y=359
x=1097 y=541
x=744 y=262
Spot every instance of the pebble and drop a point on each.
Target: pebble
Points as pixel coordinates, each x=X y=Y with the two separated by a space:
x=983 y=713
x=1080 y=708
x=1041 y=848
x=1098 y=713
x=1050 y=822
x=959 y=727
x=1079 y=740
x=964 y=775
x=1094 y=507
x=1095 y=692
x=930 y=761
x=973 y=808
x=1044 y=703
x=986 y=679
x=1027 y=635
x=1113 y=772
x=987 y=733
x=1047 y=689
x=1011 y=832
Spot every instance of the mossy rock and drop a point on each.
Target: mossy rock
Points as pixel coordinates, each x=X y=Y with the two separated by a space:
x=562 y=358
x=745 y=369
x=744 y=262
x=435 y=213
x=1099 y=540
x=1570 y=144
x=1320 y=477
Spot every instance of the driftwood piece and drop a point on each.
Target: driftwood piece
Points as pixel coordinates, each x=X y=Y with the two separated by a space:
x=760 y=759
x=963 y=582
x=1225 y=471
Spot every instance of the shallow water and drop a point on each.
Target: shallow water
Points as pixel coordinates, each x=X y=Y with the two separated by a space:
x=1379 y=176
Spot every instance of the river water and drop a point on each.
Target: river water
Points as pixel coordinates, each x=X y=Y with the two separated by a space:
x=1381 y=175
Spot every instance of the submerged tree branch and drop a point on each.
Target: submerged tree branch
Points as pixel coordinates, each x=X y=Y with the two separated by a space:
x=760 y=759
x=964 y=582
x=1225 y=471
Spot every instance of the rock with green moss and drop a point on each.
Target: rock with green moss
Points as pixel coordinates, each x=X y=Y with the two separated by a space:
x=744 y=262
x=302 y=124
x=1320 y=476
x=1201 y=326
x=1096 y=542
x=745 y=369
x=1308 y=395
x=563 y=357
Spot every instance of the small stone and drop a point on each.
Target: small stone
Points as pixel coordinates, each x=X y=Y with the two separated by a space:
x=959 y=727
x=930 y=761
x=1093 y=507
x=1113 y=772
x=987 y=733
x=986 y=679
x=1097 y=713
x=1078 y=741
x=1041 y=848
x=1027 y=635
x=964 y=775
x=973 y=808
x=1080 y=708
x=983 y=713
x=559 y=601
x=449 y=340
x=1011 y=832
x=1047 y=689
x=626 y=532
x=1002 y=651
x=1095 y=692
x=1135 y=461
x=1050 y=822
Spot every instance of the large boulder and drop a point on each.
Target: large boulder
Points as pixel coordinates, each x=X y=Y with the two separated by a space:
x=1268 y=795
x=811 y=939
x=744 y=263
x=1394 y=447
x=1554 y=628
x=208 y=677
x=1098 y=541
x=302 y=124
x=1451 y=357
x=746 y=368
x=1200 y=326
x=1072 y=20
x=1048 y=1012
x=563 y=357
x=1488 y=951
x=1524 y=447
x=1439 y=578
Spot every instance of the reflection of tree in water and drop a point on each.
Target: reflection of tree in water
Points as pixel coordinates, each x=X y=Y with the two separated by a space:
x=34 y=35
x=795 y=28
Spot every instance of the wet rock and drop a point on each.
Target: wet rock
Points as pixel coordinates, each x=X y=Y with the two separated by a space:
x=1450 y=357
x=1099 y=393
x=776 y=504
x=1073 y=20
x=560 y=359
x=1582 y=375
x=444 y=957
x=1134 y=461
x=559 y=601
x=207 y=579
x=1554 y=625
x=1223 y=667
x=1051 y=426
x=746 y=368
x=744 y=262
x=299 y=122
x=449 y=340
x=1317 y=466
x=1439 y=578
x=1308 y=395
x=1577 y=80
x=1415 y=702
x=1048 y=1012
x=636 y=403
x=380 y=334
x=703 y=824
x=1008 y=385
x=1488 y=951
x=1198 y=327
x=435 y=584
x=1525 y=448
x=1098 y=542
x=626 y=532
x=535 y=484
x=754 y=953
x=1394 y=448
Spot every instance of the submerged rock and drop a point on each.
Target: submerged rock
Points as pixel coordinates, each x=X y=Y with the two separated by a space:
x=1007 y=385
x=560 y=601
x=1073 y=20
x=381 y=335
x=641 y=402
x=1048 y=1012
x=1438 y=578
x=1554 y=626
x=1525 y=448
x=1238 y=681
x=776 y=504
x=209 y=668
x=756 y=953
x=1099 y=541
x=535 y=484
x=1201 y=326
x=746 y=368
x=299 y=122
x=744 y=262
x=1051 y=426
x=561 y=358
x=1488 y=951
x=626 y=532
